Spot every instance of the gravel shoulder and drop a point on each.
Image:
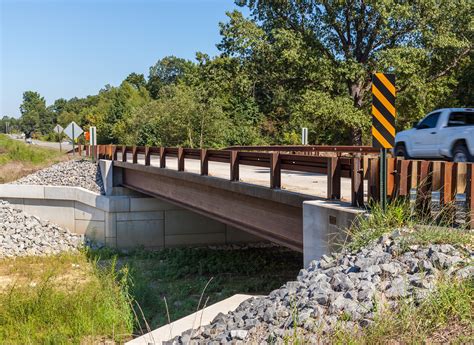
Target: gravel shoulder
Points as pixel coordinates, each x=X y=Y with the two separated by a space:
x=76 y=173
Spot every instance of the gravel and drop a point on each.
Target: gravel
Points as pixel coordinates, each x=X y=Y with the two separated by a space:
x=25 y=235
x=77 y=173
x=338 y=291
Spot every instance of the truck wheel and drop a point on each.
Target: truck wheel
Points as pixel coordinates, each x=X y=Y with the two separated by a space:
x=401 y=151
x=461 y=154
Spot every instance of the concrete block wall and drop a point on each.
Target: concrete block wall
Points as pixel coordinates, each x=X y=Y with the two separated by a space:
x=123 y=221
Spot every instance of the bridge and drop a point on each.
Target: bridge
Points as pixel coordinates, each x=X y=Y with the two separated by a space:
x=261 y=190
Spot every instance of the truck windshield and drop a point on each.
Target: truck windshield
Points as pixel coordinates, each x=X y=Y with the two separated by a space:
x=461 y=118
x=429 y=122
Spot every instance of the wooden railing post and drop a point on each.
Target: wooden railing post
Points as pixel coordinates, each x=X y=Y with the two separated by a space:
x=114 y=152
x=373 y=192
x=204 y=163
x=391 y=171
x=147 y=155
x=357 y=183
x=124 y=153
x=275 y=171
x=447 y=173
x=79 y=150
x=134 y=155
x=234 y=165
x=162 y=157
x=88 y=150
x=180 y=159
x=334 y=178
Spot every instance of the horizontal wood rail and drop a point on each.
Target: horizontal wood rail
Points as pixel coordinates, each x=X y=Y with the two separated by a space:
x=308 y=149
x=430 y=185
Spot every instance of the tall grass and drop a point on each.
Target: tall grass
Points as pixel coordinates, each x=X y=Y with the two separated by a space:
x=53 y=307
x=13 y=150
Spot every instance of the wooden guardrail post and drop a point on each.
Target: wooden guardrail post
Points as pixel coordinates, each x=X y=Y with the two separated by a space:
x=114 y=152
x=275 y=171
x=134 y=155
x=180 y=159
x=357 y=183
x=162 y=157
x=234 y=165
x=147 y=155
x=204 y=163
x=373 y=192
x=447 y=173
x=124 y=153
x=391 y=172
x=334 y=178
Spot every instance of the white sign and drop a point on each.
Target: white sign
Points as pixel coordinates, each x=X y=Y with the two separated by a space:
x=73 y=130
x=304 y=136
x=58 y=129
x=92 y=136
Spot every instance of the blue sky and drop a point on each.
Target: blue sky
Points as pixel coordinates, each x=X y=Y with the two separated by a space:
x=67 y=48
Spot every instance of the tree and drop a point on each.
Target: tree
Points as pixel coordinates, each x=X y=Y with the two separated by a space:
x=33 y=113
x=167 y=71
x=136 y=80
x=358 y=38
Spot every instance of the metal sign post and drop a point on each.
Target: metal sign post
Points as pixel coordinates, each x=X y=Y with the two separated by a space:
x=73 y=131
x=93 y=141
x=58 y=130
x=383 y=123
x=304 y=136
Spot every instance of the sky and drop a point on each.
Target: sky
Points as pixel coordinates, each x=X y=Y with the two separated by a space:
x=68 y=48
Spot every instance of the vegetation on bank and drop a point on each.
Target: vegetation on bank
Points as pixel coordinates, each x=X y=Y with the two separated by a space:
x=62 y=299
x=18 y=159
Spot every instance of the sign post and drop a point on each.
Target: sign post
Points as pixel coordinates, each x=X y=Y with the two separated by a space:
x=73 y=131
x=93 y=141
x=58 y=130
x=383 y=123
x=304 y=136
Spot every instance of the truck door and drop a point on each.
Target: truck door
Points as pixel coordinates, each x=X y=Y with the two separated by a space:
x=425 y=143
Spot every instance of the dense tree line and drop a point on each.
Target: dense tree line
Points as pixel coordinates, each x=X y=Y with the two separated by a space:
x=291 y=64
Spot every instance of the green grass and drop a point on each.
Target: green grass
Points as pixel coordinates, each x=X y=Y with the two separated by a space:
x=180 y=275
x=17 y=151
x=63 y=299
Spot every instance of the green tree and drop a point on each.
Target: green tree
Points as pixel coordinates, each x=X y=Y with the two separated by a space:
x=423 y=42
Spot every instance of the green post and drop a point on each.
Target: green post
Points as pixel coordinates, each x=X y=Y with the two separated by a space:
x=383 y=179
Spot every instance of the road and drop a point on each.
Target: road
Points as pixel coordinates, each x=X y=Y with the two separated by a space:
x=65 y=146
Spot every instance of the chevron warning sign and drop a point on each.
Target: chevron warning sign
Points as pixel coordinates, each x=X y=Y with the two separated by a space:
x=383 y=110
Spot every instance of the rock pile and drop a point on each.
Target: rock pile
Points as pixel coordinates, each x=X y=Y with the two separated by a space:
x=23 y=235
x=338 y=291
x=77 y=173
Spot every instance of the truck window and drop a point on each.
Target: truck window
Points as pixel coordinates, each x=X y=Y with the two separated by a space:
x=461 y=118
x=429 y=122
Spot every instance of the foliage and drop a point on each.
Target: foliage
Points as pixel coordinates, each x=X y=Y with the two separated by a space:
x=13 y=150
x=287 y=65
x=63 y=300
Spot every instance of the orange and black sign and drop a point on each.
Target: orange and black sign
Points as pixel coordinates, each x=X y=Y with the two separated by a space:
x=383 y=110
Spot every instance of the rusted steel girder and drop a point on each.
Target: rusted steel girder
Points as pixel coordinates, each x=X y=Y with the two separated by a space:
x=271 y=214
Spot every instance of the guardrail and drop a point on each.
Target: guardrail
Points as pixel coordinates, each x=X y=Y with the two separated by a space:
x=430 y=185
x=309 y=149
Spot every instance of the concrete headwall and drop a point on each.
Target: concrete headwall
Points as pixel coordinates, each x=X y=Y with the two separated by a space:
x=123 y=221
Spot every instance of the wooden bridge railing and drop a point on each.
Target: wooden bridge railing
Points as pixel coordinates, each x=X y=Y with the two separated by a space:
x=433 y=183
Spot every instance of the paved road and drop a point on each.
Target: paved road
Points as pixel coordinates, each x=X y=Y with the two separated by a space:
x=65 y=146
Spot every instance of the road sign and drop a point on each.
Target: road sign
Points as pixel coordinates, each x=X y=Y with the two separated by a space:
x=383 y=110
x=73 y=130
x=58 y=129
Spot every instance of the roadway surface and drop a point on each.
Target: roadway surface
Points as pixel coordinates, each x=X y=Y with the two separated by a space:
x=65 y=146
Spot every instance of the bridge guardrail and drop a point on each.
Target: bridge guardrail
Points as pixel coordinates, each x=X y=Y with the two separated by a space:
x=429 y=185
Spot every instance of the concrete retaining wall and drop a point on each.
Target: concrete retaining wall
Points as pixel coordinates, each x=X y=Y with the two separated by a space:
x=123 y=221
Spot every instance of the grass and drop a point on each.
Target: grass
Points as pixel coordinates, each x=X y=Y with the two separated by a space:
x=63 y=299
x=18 y=159
x=180 y=275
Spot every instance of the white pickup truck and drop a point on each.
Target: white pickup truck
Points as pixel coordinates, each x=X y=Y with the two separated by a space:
x=442 y=134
